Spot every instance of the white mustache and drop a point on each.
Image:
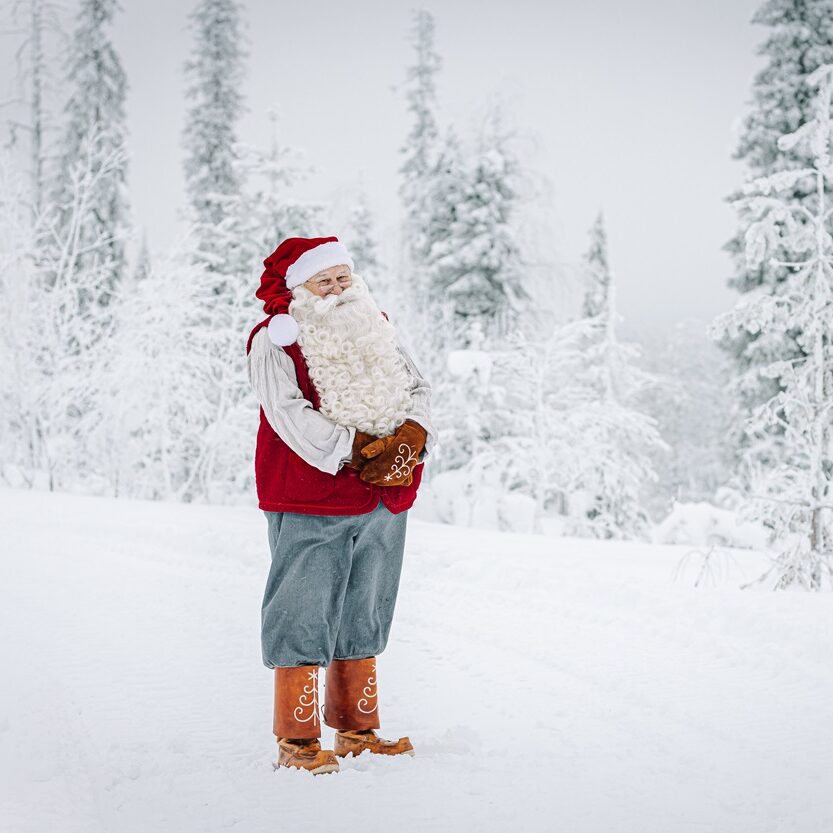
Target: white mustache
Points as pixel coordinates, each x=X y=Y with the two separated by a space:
x=324 y=305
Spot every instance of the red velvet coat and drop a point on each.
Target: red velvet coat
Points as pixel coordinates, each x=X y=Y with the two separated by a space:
x=287 y=483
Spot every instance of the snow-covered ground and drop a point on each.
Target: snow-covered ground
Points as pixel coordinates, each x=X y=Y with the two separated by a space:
x=547 y=685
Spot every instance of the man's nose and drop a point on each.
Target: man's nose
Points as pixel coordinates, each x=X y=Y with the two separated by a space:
x=336 y=289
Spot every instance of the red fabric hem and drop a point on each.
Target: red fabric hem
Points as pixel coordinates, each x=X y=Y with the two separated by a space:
x=306 y=509
x=318 y=509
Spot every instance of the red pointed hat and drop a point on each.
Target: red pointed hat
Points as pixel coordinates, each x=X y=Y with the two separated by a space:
x=295 y=261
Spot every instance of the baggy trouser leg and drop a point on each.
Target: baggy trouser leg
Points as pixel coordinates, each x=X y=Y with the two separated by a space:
x=351 y=697
x=303 y=597
x=296 y=713
x=372 y=588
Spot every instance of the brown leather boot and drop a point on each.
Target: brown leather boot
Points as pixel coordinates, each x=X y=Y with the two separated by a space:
x=296 y=720
x=305 y=755
x=352 y=708
x=351 y=700
x=354 y=743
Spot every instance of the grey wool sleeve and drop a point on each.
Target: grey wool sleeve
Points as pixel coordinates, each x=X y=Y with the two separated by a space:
x=316 y=439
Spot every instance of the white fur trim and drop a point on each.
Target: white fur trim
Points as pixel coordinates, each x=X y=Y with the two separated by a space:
x=283 y=330
x=312 y=261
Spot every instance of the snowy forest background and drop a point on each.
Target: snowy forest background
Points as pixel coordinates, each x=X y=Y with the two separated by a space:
x=122 y=365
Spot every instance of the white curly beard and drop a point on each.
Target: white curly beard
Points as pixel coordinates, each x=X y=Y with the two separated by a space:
x=351 y=352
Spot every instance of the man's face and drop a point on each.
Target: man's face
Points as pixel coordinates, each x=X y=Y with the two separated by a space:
x=328 y=298
x=330 y=281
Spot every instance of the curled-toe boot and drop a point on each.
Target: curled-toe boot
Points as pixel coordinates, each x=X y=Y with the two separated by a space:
x=351 y=707
x=296 y=721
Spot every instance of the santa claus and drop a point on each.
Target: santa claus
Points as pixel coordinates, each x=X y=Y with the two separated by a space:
x=345 y=428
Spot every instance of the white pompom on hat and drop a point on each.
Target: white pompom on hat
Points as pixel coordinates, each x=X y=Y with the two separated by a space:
x=282 y=329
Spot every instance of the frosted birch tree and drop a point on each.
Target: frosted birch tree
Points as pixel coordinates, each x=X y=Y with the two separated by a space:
x=55 y=343
x=789 y=462
x=161 y=441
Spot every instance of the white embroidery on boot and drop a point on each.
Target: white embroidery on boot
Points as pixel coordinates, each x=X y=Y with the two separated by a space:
x=370 y=693
x=309 y=702
x=401 y=467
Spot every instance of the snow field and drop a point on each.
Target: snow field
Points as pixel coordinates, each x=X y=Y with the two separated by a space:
x=547 y=684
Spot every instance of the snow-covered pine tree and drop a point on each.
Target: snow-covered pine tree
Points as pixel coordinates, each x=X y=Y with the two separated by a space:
x=443 y=188
x=474 y=257
x=596 y=271
x=800 y=40
x=420 y=144
x=420 y=151
x=40 y=21
x=793 y=428
x=621 y=436
x=95 y=129
x=214 y=73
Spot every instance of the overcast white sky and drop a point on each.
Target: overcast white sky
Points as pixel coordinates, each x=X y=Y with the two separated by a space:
x=631 y=107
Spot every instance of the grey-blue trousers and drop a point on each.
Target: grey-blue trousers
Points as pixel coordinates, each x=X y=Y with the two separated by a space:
x=332 y=585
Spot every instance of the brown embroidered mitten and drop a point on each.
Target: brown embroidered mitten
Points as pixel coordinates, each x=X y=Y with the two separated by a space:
x=362 y=438
x=394 y=458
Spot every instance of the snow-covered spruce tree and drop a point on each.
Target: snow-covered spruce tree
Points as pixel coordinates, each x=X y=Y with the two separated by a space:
x=793 y=495
x=219 y=232
x=214 y=73
x=443 y=188
x=620 y=436
x=800 y=40
x=94 y=139
x=40 y=21
x=588 y=385
x=596 y=271
x=420 y=145
x=420 y=153
x=474 y=259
